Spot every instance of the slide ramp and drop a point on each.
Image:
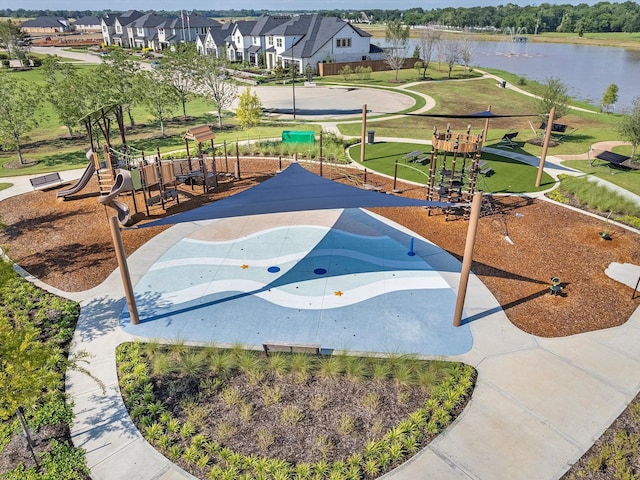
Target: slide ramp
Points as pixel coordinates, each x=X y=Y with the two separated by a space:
x=122 y=184
x=80 y=184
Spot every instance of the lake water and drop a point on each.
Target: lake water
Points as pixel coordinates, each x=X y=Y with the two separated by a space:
x=587 y=70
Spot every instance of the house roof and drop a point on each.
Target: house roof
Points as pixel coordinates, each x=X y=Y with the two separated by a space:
x=128 y=17
x=266 y=23
x=245 y=26
x=148 y=20
x=221 y=33
x=46 y=22
x=191 y=21
x=88 y=20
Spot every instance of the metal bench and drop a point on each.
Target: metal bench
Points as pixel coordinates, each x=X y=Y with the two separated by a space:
x=49 y=180
x=312 y=348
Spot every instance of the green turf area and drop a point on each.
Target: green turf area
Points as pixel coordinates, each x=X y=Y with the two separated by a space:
x=627 y=179
x=510 y=176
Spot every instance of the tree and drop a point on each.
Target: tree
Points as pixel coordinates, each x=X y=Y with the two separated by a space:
x=64 y=91
x=14 y=40
x=19 y=100
x=215 y=85
x=629 y=126
x=554 y=94
x=159 y=98
x=345 y=72
x=179 y=69
x=121 y=70
x=397 y=40
x=466 y=52
x=451 y=53
x=428 y=42
x=249 y=109
x=26 y=366
x=610 y=97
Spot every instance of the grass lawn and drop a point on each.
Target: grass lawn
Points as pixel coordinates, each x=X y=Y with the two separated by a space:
x=510 y=176
x=475 y=96
x=627 y=179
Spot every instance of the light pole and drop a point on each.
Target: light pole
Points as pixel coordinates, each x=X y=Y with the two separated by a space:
x=293 y=78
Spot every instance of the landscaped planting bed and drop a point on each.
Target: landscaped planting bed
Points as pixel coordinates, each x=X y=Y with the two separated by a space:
x=241 y=414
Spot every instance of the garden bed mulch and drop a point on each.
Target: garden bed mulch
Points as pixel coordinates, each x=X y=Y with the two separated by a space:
x=67 y=244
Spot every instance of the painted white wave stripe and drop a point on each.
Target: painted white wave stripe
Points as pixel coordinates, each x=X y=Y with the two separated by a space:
x=281 y=297
x=334 y=252
x=221 y=261
x=286 y=229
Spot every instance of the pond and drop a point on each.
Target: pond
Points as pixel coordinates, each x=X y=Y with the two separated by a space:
x=586 y=69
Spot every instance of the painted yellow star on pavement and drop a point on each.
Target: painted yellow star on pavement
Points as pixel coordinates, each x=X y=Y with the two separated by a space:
x=244 y=267
x=338 y=293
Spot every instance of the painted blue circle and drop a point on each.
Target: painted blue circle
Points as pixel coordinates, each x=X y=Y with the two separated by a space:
x=320 y=271
x=273 y=269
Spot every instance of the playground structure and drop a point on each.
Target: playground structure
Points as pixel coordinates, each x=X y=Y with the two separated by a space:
x=454 y=168
x=127 y=170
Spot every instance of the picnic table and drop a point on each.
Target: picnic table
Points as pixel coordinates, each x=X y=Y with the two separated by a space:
x=411 y=156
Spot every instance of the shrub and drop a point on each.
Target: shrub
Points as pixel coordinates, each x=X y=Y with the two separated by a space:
x=346 y=72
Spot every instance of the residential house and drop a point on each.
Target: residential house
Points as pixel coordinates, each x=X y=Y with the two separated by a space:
x=87 y=24
x=45 y=25
x=114 y=30
x=143 y=31
x=214 y=43
x=307 y=40
x=186 y=28
x=256 y=52
x=240 y=40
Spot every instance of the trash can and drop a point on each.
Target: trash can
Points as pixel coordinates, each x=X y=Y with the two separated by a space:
x=371 y=136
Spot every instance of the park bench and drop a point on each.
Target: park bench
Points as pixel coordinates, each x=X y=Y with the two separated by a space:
x=313 y=348
x=49 y=180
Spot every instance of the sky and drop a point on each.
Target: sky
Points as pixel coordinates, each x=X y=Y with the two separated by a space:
x=116 y=5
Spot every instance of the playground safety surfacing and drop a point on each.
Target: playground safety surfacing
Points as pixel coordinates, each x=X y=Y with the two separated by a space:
x=344 y=279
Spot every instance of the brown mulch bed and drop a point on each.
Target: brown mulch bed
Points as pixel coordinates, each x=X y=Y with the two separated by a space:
x=67 y=244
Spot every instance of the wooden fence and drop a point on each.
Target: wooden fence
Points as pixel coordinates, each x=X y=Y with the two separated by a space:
x=325 y=69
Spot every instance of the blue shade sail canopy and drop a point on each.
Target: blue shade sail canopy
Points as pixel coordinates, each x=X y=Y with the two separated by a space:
x=293 y=190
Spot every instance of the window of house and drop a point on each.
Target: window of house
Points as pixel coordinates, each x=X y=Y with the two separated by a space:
x=279 y=42
x=140 y=32
x=118 y=28
x=343 y=42
x=270 y=41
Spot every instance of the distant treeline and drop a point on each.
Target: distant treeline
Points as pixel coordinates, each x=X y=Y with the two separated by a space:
x=583 y=18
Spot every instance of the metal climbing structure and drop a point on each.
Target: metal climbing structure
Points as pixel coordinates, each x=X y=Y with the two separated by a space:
x=454 y=169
